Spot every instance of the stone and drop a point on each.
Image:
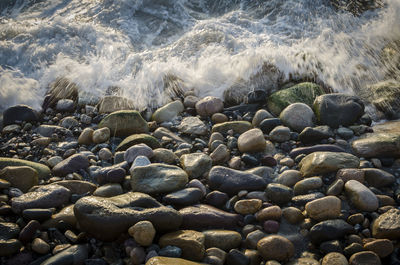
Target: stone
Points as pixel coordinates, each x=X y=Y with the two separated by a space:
x=315 y=148
x=306 y=185
x=76 y=254
x=251 y=141
x=191 y=242
x=302 y=200
x=236 y=126
x=29 y=231
x=232 y=181
x=280 y=134
x=143 y=232
x=47 y=196
x=297 y=116
x=184 y=197
x=62 y=88
x=110 y=104
x=364 y=257
x=345 y=133
x=220 y=155
x=360 y=196
x=217 y=198
x=168 y=112
x=236 y=257
x=78 y=186
x=278 y=193
x=137 y=150
x=304 y=92
x=108 y=190
x=219 y=118
x=21 y=177
x=190 y=101
x=326 y=162
x=293 y=215
x=48 y=130
x=141 y=138
x=192 y=126
x=43 y=170
x=85 y=119
x=158 y=178
x=37 y=214
x=202 y=216
x=338 y=109
x=162 y=132
x=311 y=135
x=267 y=125
x=325 y=208
x=14 y=128
x=96 y=215
x=377 y=145
x=70 y=165
x=170 y=261
x=334 y=258
x=40 y=246
x=329 y=230
x=289 y=177
x=166 y=156
x=275 y=247
x=140 y=161
x=9 y=247
x=347 y=174
x=19 y=113
x=385 y=96
x=8 y=230
x=269 y=213
x=208 y=106
x=86 y=136
x=249 y=206
x=105 y=154
x=65 y=215
x=65 y=105
x=196 y=164
x=387 y=225
x=124 y=123
x=335 y=188
x=378 y=178
x=101 y=135
x=260 y=115
x=382 y=247
x=69 y=122
x=222 y=239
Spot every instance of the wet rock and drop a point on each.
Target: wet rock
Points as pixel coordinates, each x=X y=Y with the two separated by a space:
x=19 y=113
x=73 y=255
x=385 y=96
x=236 y=126
x=360 y=196
x=219 y=118
x=381 y=247
x=138 y=139
x=168 y=112
x=40 y=246
x=325 y=208
x=28 y=232
x=364 y=257
x=378 y=145
x=124 y=123
x=334 y=258
x=70 y=165
x=8 y=230
x=248 y=206
x=297 y=116
x=65 y=215
x=387 y=225
x=378 y=178
x=108 y=190
x=9 y=247
x=69 y=122
x=289 y=177
x=96 y=215
x=161 y=132
x=220 y=155
x=137 y=150
x=278 y=193
x=86 y=136
x=292 y=215
x=260 y=115
x=222 y=239
x=314 y=135
x=315 y=148
x=329 y=230
x=306 y=185
x=269 y=213
x=275 y=247
x=49 y=130
x=184 y=197
x=196 y=164
x=165 y=156
x=110 y=104
x=217 y=198
x=267 y=125
x=236 y=257
x=191 y=242
x=37 y=214
x=251 y=141
x=101 y=135
x=280 y=134
x=170 y=261
x=208 y=106
x=22 y=177
x=143 y=232
x=43 y=170
x=347 y=174
x=193 y=126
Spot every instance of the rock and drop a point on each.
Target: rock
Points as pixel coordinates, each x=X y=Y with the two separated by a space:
x=190 y=101
x=217 y=198
x=289 y=177
x=387 y=225
x=65 y=215
x=208 y=106
x=378 y=178
x=260 y=115
x=140 y=161
x=158 y=178
x=251 y=141
x=377 y=145
x=279 y=194
x=62 y=88
x=9 y=247
x=329 y=230
x=307 y=184
x=101 y=135
x=168 y=112
x=275 y=247
x=222 y=239
x=137 y=150
x=365 y=257
x=326 y=162
x=70 y=165
x=220 y=155
x=385 y=97
x=21 y=177
x=347 y=174
x=86 y=136
x=315 y=148
x=76 y=254
x=161 y=132
x=267 y=125
x=292 y=215
x=8 y=230
x=184 y=197
x=202 y=216
x=345 y=133
x=236 y=126
x=29 y=231
x=297 y=116
x=338 y=109
x=105 y=154
x=219 y=118
x=47 y=196
x=69 y=122
x=164 y=156
x=96 y=215
x=314 y=135
x=325 y=208
x=191 y=242
x=192 y=125
x=269 y=213
x=196 y=164
x=65 y=105
x=382 y=247
x=43 y=170
x=334 y=258
x=124 y=123
x=232 y=181
x=302 y=200
x=40 y=246
x=360 y=196
x=280 y=134
x=236 y=257
x=110 y=104
x=14 y=128
x=248 y=206
x=335 y=188
x=143 y=232
x=37 y=214
x=49 y=130
x=19 y=113
x=303 y=92
x=108 y=190
x=170 y=261
x=138 y=139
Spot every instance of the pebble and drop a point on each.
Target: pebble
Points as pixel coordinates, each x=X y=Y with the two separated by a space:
x=222 y=239
x=249 y=206
x=289 y=178
x=260 y=115
x=251 y=141
x=382 y=247
x=236 y=257
x=364 y=257
x=360 y=196
x=280 y=134
x=325 y=208
x=278 y=193
x=293 y=215
x=208 y=106
x=269 y=213
x=219 y=118
x=297 y=116
x=143 y=232
x=334 y=258
x=306 y=185
x=387 y=225
x=191 y=242
x=275 y=247
x=40 y=246
x=105 y=154
x=101 y=135
x=138 y=150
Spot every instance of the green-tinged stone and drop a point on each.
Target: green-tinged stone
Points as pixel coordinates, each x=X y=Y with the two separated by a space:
x=236 y=126
x=141 y=138
x=43 y=170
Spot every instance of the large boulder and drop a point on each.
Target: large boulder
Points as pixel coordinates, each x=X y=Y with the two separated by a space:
x=43 y=170
x=124 y=123
x=19 y=113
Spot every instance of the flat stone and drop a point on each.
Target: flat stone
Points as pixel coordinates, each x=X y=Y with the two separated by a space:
x=329 y=230
x=37 y=214
x=325 y=208
x=377 y=145
x=302 y=200
x=315 y=134
x=96 y=215
x=29 y=231
x=76 y=254
x=307 y=184
x=249 y=206
x=196 y=164
x=347 y=174
x=8 y=230
x=78 y=186
x=289 y=177
x=378 y=178
x=297 y=116
x=251 y=141
x=168 y=112
x=163 y=155
x=280 y=134
x=21 y=177
x=124 y=123
x=191 y=242
x=184 y=197
x=236 y=126
x=208 y=106
x=140 y=138
x=47 y=130
x=9 y=247
x=222 y=239
x=101 y=135
x=387 y=225
x=360 y=196
x=170 y=261
x=382 y=247
x=193 y=126
x=364 y=257
x=70 y=165
x=69 y=122
x=108 y=190
x=269 y=213
x=315 y=148
x=161 y=132
x=275 y=247
x=43 y=170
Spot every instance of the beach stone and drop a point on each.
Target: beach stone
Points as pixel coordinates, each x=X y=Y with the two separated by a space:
x=43 y=170
x=46 y=196
x=21 y=177
x=338 y=109
x=248 y=206
x=385 y=95
x=208 y=106
x=335 y=188
x=78 y=186
x=222 y=239
x=364 y=257
x=8 y=230
x=124 y=123
x=165 y=156
x=19 y=113
x=143 y=232
x=140 y=161
x=219 y=118
x=137 y=150
x=42 y=141
x=236 y=126
x=13 y=128
x=48 y=130
x=141 y=138
x=108 y=190
x=9 y=247
x=232 y=181
x=101 y=135
x=315 y=148
x=196 y=164
x=162 y=132
x=325 y=208
x=170 y=261
x=28 y=232
x=280 y=134
x=40 y=246
x=306 y=185
x=202 y=216
x=267 y=125
x=260 y=115
x=297 y=116
x=184 y=197
x=253 y=237
x=69 y=122
x=347 y=174
x=168 y=112
x=70 y=165
x=377 y=145
x=278 y=193
x=191 y=242
x=114 y=103
x=326 y=162
x=76 y=254
x=192 y=125
x=289 y=177
x=301 y=200
x=217 y=198
x=377 y=178
x=158 y=178
x=275 y=247
x=329 y=230
x=334 y=258
x=236 y=257
x=269 y=213
x=37 y=214
x=315 y=134
x=304 y=92
x=387 y=225
x=96 y=215
x=292 y=215
x=382 y=247
x=105 y=154
x=251 y=141
x=220 y=155
x=190 y=101
x=360 y=196
x=86 y=136
x=65 y=215
x=65 y=105
x=345 y=133
x=85 y=119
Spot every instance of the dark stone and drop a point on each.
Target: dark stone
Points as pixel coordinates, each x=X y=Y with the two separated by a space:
x=257 y=96
x=29 y=231
x=217 y=198
x=62 y=88
x=278 y=193
x=9 y=247
x=329 y=230
x=19 y=113
x=330 y=246
x=73 y=255
x=235 y=257
x=37 y=214
x=170 y=251
x=269 y=124
x=113 y=174
x=314 y=135
x=23 y=258
x=8 y=230
x=70 y=165
x=301 y=200
x=352 y=248
x=315 y=148
x=184 y=197
x=268 y=161
x=249 y=160
x=378 y=178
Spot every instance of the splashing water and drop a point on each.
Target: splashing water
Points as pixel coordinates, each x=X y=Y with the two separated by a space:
x=209 y=44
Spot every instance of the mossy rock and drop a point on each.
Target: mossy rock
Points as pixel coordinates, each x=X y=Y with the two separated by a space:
x=141 y=138
x=237 y=127
x=304 y=92
x=124 y=123
x=43 y=170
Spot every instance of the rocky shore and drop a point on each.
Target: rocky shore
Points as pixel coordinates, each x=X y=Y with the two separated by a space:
x=296 y=177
